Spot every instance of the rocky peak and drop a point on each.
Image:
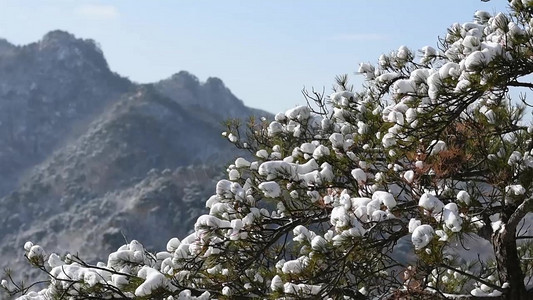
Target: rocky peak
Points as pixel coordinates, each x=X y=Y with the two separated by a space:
x=65 y=47
x=6 y=47
x=212 y=95
x=50 y=90
x=57 y=36
x=78 y=144
x=215 y=83
x=183 y=78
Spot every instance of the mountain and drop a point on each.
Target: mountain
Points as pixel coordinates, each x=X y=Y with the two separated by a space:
x=209 y=97
x=89 y=158
x=49 y=91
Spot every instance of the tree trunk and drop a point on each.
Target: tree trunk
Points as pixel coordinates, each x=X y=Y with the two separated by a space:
x=508 y=263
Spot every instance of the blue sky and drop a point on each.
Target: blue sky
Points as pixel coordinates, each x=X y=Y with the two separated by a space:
x=264 y=51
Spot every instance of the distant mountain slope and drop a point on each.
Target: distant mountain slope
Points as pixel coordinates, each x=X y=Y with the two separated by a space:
x=87 y=156
x=211 y=96
x=49 y=91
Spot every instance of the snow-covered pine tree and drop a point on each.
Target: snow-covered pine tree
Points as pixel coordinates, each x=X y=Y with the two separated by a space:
x=418 y=184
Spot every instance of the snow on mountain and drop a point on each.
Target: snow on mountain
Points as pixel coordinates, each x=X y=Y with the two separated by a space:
x=88 y=158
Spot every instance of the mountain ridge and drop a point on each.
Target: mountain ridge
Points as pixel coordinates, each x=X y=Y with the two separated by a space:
x=84 y=151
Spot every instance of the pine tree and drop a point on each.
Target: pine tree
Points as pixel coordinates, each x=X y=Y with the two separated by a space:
x=417 y=185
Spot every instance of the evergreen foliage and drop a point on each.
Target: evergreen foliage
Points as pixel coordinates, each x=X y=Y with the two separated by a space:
x=417 y=185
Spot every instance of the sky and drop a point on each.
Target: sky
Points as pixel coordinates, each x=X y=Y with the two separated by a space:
x=266 y=52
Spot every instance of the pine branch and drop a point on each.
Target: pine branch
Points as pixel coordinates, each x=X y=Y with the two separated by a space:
x=521 y=84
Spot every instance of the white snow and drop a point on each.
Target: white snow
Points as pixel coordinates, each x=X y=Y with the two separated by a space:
x=173 y=244
x=384 y=197
x=277 y=169
x=436 y=147
x=301 y=234
x=320 y=152
x=430 y=203
x=442 y=235
x=491 y=116
x=338 y=96
x=318 y=243
x=234 y=175
x=270 y=189
x=276 y=283
x=262 y=154
x=452 y=220
x=55 y=261
x=308 y=148
x=232 y=138
x=419 y=75
x=337 y=140
x=515 y=189
x=419 y=164
x=299 y=113
x=404 y=86
x=403 y=53
x=274 y=128
x=450 y=69
x=359 y=175
x=339 y=217
x=36 y=252
x=413 y=224
x=387 y=77
x=153 y=280
x=367 y=69
x=422 y=236
x=428 y=53
x=241 y=163
x=326 y=173
x=514 y=158
x=226 y=291
x=280 y=117
x=463 y=196
x=223 y=188
x=28 y=245
x=409 y=176
x=388 y=140
x=211 y=221
x=305 y=289
x=434 y=82
x=295 y=266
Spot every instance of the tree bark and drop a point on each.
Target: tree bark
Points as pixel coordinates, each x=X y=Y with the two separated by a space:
x=508 y=263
